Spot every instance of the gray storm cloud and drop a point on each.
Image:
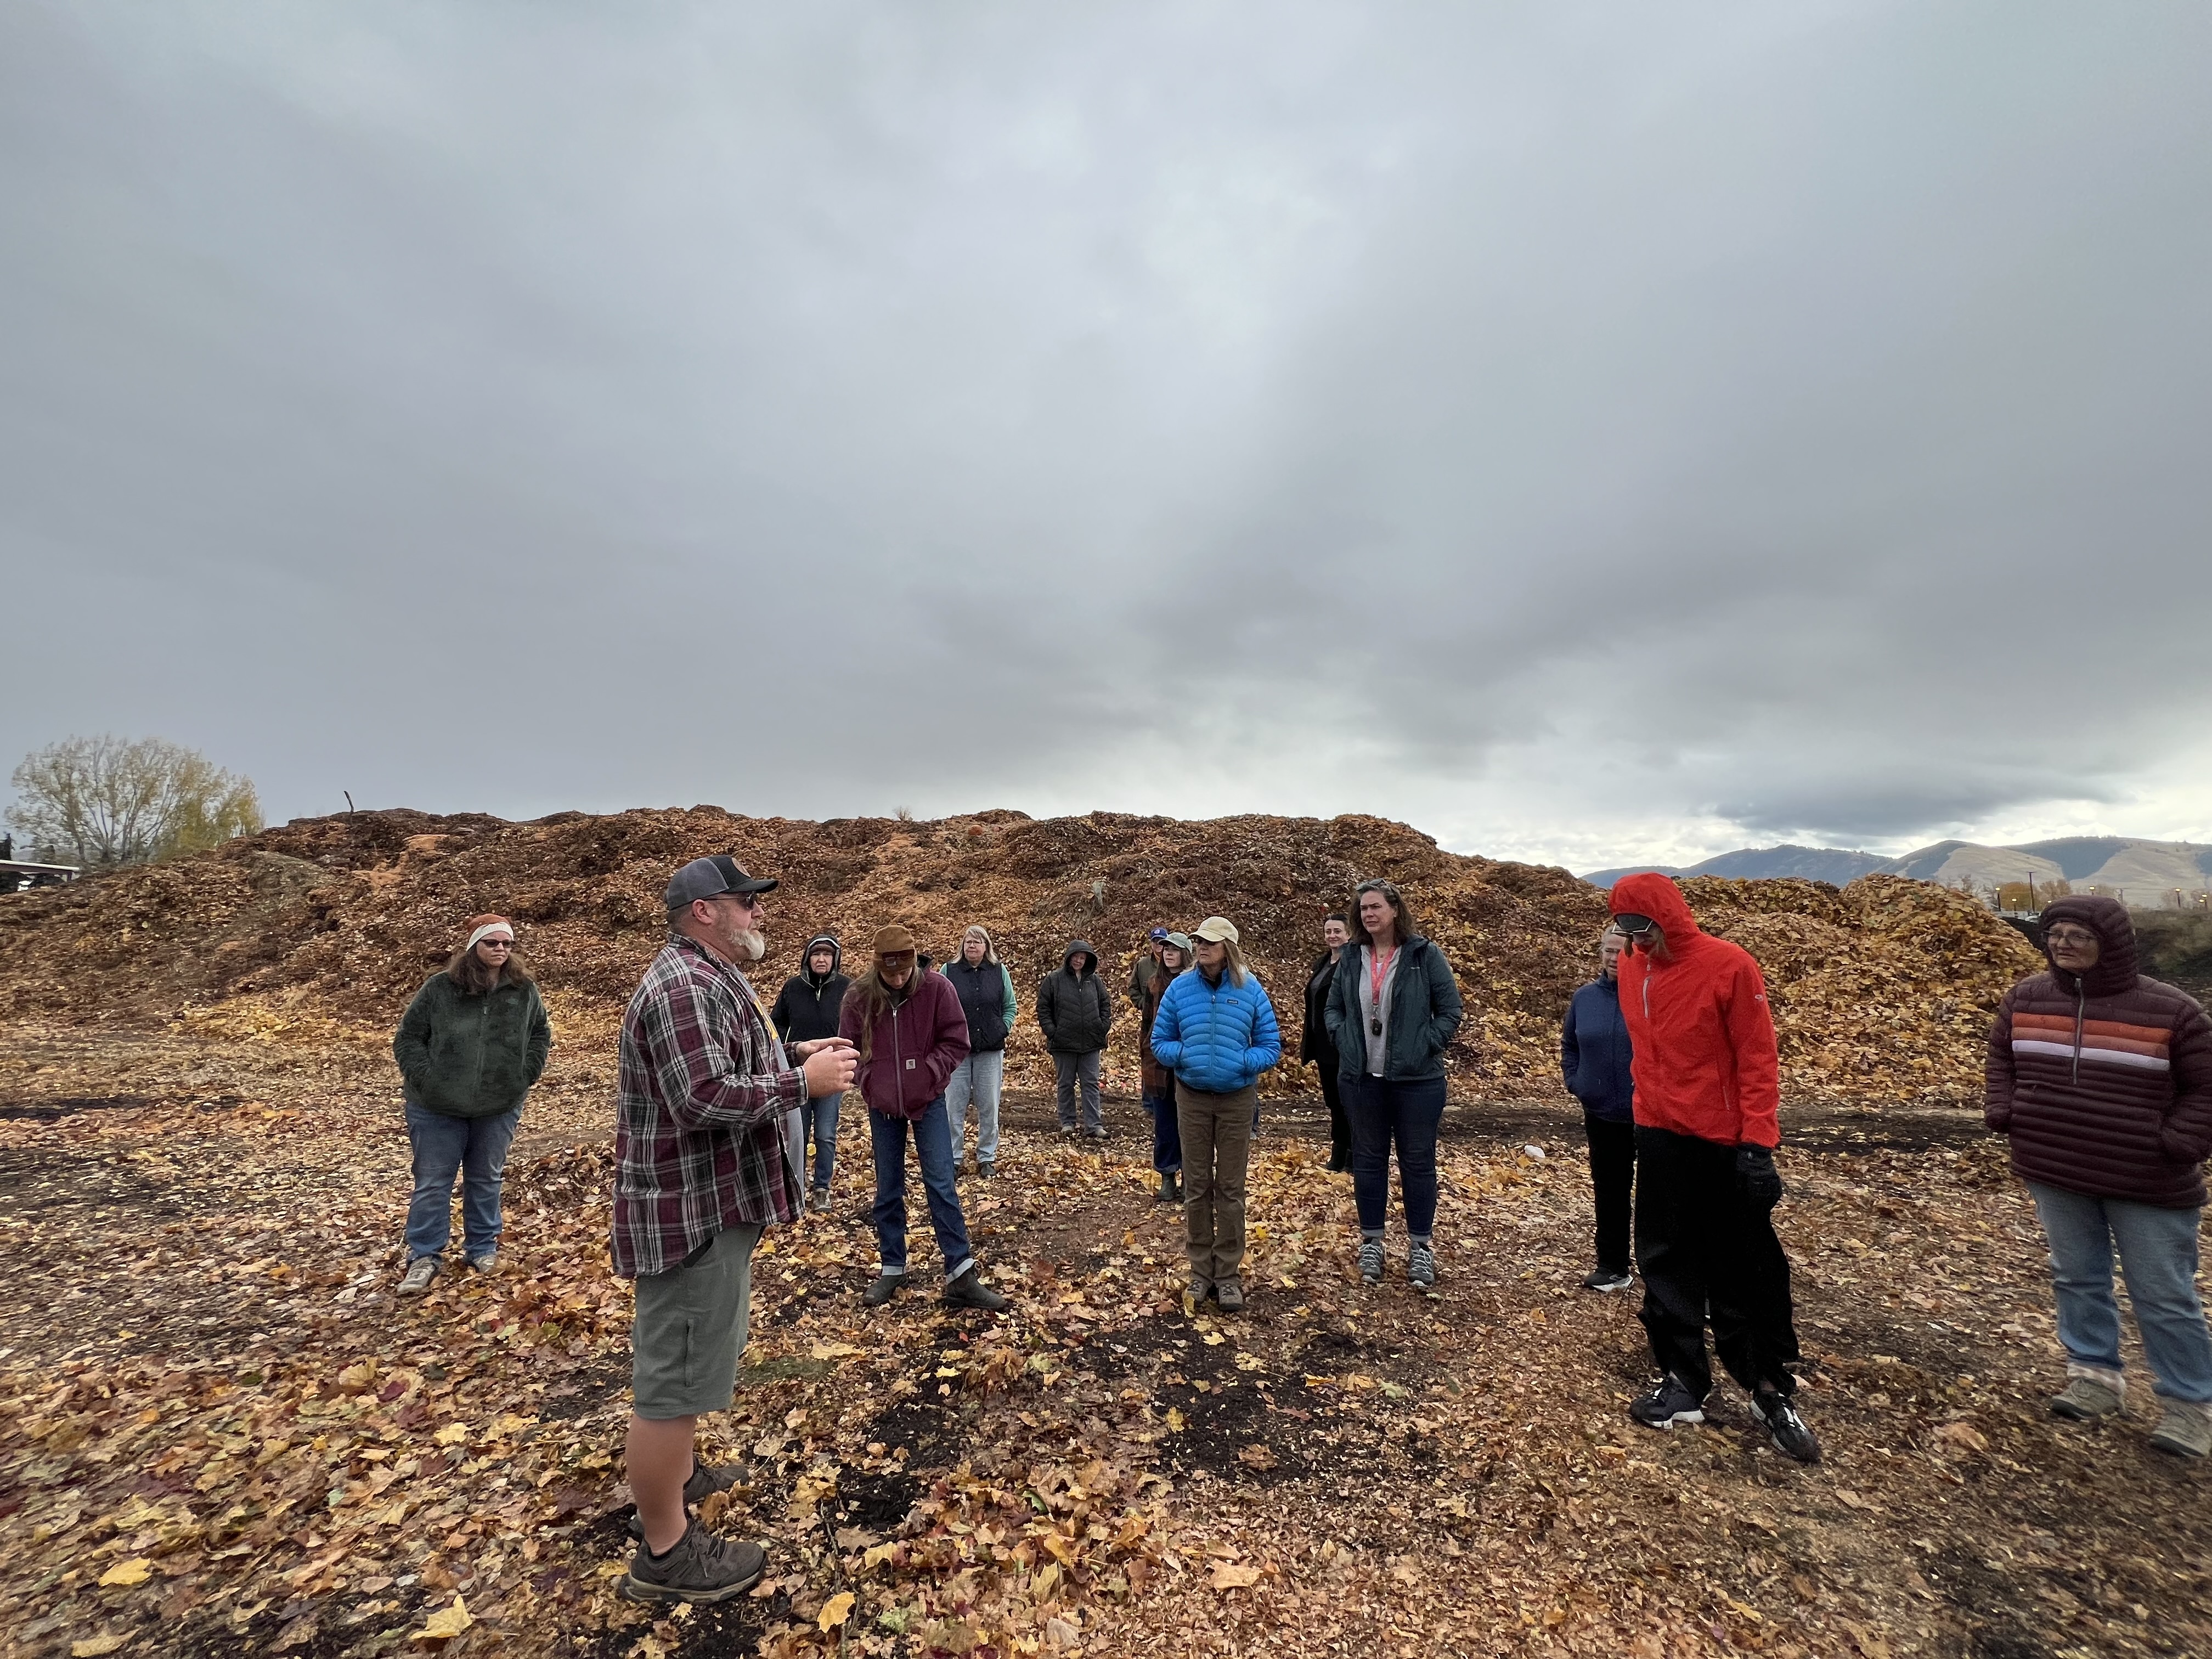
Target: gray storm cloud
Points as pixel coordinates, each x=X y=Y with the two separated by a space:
x=1787 y=420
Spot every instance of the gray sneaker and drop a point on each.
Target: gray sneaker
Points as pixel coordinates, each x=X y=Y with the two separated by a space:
x=701 y=1567
x=2086 y=1400
x=1421 y=1267
x=1370 y=1261
x=2185 y=1430
x=486 y=1263
x=420 y=1272
x=1229 y=1295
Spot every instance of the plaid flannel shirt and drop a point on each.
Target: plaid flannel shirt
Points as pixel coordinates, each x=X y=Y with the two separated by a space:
x=699 y=1145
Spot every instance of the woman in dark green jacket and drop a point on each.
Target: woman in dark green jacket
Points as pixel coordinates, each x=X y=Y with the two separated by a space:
x=469 y=1048
x=1392 y=1011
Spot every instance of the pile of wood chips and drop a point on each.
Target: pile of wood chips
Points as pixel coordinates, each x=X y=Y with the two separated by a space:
x=324 y=926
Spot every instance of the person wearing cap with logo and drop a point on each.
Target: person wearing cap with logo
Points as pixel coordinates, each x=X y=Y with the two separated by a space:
x=470 y=1046
x=1144 y=969
x=1216 y=1031
x=1707 y=1081
x=1393 y=1010
x=1158 y=1082
x=706 y=1156
x=912 y=1033
x=986 y=991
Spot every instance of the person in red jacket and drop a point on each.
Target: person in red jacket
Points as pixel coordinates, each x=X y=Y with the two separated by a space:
x=1707 y=1082
x=911 y=1032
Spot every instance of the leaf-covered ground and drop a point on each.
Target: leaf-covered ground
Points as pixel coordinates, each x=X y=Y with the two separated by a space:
x=221 y=1434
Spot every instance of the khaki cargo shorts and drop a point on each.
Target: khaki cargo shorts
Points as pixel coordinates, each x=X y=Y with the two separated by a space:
x=690 y=1327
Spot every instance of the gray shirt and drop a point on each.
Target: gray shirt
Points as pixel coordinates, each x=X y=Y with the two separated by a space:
x=1375 y=1017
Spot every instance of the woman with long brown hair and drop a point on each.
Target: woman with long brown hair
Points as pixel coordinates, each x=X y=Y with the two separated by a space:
x=470 y=1047
x=1392 y=1012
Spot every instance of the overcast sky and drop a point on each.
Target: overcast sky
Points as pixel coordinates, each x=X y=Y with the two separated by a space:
x=1591 y=434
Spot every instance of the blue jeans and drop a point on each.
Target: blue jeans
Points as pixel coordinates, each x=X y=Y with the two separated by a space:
x=932 y=1151
x=1409 y=1113
x=2158 y=1257
x=1167 y=1135
x=818 y=1117
x=444 y=1147
x=976 y=1078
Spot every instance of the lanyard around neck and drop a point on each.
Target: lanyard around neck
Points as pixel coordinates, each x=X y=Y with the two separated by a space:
x=1379 y=969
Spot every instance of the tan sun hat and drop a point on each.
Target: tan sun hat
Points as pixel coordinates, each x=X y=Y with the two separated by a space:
x=892 y=941
x=1216 y=930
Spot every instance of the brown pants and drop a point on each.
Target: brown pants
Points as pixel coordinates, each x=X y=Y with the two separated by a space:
x=1217 y=1147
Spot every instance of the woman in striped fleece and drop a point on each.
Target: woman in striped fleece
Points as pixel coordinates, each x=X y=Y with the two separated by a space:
x=2102 y=1080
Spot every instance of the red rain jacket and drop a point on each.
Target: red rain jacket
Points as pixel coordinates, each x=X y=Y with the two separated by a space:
x=1704 y=1038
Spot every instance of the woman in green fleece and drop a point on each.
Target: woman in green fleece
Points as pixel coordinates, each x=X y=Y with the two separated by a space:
x=470 y=1046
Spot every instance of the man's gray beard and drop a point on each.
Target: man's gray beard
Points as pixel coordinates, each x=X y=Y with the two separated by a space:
x=751 y=944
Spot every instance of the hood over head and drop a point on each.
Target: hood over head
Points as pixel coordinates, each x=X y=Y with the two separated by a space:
x=2116 y=968
x=1657 y=897
x=1081 y=947
x=836 y=956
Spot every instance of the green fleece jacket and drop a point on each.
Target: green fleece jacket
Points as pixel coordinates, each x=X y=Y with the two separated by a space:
x=466 y=1055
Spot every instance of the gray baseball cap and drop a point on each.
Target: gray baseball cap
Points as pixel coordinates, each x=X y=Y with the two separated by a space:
x=705 y=878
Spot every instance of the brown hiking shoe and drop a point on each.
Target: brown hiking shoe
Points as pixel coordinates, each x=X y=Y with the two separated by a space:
x=700 y=1567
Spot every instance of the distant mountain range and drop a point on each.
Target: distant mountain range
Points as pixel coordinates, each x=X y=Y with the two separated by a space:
x=2141 y=872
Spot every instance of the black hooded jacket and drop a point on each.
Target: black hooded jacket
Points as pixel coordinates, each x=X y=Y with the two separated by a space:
x=1073 y=1009
x=806 y=1009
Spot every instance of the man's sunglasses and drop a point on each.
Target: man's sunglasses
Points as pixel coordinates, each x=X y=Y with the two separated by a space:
x=748 y=900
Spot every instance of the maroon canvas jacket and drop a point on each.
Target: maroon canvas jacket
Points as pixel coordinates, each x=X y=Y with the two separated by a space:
x=914 y=1047
x=2103 y=1081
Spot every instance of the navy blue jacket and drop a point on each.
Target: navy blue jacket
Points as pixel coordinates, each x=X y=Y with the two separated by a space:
x=1216 y=1038
x=1594 y=1052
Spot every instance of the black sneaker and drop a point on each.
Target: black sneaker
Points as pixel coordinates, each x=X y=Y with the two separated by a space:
x=985 y=1171
x=1667 y=1404
x=1791 y=1438
x=886 y=1287
x=968 y=1290
x=1608 y=1279
x=1168 y=1193
x=700 y=1567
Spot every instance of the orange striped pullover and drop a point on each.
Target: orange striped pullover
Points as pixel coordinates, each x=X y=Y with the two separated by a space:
x=2103 y=1081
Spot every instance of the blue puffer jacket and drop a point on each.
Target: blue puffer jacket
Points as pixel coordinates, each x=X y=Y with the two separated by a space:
x=1218 y=1038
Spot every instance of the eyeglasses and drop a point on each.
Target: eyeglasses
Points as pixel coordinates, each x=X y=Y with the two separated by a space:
x=2068 y=936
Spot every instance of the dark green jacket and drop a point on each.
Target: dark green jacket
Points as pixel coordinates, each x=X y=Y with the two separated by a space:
x=1425 y=1012
x=465 y=1055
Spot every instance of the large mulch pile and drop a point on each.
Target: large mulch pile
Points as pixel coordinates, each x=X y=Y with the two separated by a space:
x=221 y=1434
x=329 y=924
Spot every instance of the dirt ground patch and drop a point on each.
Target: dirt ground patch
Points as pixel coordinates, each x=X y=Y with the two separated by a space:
x=209 y=1401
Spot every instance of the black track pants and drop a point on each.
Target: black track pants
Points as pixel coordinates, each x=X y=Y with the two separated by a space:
x=1706 y=1253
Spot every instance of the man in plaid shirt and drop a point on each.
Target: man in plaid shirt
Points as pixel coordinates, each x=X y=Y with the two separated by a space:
x=702 y=1163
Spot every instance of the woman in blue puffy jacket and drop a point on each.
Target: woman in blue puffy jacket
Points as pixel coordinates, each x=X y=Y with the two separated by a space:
x=1216 y=1031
